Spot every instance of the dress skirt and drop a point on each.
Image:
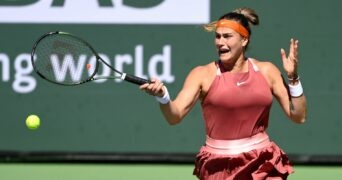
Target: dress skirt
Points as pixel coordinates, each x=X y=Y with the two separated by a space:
x=250 y=158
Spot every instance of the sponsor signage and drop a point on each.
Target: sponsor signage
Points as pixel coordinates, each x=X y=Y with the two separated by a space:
x=105 y=11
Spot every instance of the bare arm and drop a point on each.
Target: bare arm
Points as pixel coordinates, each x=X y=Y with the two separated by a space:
x=294 y=107
x=176 y=109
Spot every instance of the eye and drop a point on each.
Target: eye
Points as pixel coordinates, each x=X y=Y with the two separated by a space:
x=226 y=36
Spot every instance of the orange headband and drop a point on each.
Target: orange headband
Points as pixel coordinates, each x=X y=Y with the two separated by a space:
x=233 y=25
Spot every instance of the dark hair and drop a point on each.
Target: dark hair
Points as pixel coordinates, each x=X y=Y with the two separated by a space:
x=245 y=16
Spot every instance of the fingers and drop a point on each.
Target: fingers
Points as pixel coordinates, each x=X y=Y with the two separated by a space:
x=293 y=51
x=293 y=55
x=155 y=88
x=290 y=60
x=283 y=54
x=293 y=46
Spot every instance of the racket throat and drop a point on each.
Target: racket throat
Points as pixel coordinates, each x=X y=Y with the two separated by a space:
x=123 y=76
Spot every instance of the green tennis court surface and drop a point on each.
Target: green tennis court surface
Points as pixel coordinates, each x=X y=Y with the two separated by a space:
x=44 y=171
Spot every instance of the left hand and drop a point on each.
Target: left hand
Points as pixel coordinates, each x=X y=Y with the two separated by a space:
x=290 y=62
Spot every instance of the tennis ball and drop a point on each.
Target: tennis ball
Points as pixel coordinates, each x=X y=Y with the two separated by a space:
x=32 y=122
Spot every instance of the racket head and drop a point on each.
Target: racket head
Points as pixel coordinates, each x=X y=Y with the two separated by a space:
x=64 y=59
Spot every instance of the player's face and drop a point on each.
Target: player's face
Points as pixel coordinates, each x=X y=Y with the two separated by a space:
x=229 y=43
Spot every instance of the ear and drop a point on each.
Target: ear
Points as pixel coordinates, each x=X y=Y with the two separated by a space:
x=244 y=42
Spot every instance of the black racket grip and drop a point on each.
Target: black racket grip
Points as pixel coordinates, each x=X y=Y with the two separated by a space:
x=135 y=79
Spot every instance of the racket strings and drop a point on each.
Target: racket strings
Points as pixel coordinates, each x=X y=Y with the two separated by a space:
x=64 y=59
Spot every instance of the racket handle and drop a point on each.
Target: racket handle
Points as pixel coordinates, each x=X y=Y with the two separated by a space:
x=135 y=79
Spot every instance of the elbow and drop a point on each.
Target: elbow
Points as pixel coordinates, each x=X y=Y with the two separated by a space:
x=299 y=119
x=174 y=121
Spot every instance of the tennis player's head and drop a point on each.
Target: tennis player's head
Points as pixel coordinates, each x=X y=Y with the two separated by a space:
x=240 y=20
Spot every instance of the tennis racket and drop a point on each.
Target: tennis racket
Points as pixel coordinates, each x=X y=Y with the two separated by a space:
x=65 y=59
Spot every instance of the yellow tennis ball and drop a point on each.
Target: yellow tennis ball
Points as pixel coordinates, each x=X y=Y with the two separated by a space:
x=33 y=122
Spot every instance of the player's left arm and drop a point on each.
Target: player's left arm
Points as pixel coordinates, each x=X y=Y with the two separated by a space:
x=293 y=105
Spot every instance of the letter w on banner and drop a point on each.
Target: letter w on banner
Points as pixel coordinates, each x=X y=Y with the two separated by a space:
x=106 y=11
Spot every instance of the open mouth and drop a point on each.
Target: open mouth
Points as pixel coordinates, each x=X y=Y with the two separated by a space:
x=223 y=51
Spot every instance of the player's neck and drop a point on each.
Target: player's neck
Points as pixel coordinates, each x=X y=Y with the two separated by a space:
x=240 y=65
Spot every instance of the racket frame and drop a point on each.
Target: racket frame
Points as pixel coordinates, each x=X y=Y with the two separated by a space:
x=123 y=76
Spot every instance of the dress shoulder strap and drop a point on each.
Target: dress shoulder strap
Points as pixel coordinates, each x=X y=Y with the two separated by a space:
x=218 y=68
x=255 y=67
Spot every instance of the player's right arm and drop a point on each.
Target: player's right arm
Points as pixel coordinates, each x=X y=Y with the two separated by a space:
x=175 y=110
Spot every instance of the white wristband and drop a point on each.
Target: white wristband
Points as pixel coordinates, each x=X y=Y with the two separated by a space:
x=296 y=90
x=165 y=99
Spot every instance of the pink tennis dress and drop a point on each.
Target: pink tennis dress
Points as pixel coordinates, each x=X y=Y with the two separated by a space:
x=236 y=114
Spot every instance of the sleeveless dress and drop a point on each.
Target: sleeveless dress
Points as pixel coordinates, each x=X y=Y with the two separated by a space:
x=236 y=108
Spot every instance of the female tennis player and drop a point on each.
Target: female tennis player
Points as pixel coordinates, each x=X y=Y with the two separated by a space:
x=236 y=96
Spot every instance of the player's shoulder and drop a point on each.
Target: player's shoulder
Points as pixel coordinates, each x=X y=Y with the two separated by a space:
x=203 y=69
x=201 y=73
x=265 y=65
